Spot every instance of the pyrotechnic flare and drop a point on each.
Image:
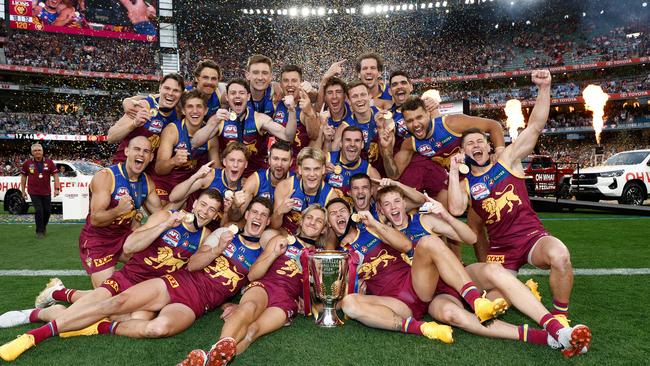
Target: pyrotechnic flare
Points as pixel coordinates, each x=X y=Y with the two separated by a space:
x=515 y=119
x=595 y=99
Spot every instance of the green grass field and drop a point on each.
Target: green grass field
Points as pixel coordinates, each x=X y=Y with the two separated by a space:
x=613 y=306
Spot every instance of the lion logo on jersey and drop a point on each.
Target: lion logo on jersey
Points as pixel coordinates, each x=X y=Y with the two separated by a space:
x=290 y=269
x=373 y=152
x=368 y=270
x=155 y=141
x=494 y=206
x=221 y=268
x=165 y=257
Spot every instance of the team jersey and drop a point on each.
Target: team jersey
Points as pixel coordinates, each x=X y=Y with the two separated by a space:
x=213 y=103
x=281 y=116
x=264 y=186
x=442 y=144
x=264 y=105
x=168 y=253
x=415 y=230
x=227 y=273
x=382 y=267
x=347 y=117
x=342 y=181
x=369 y=129
x=286 y=270
x=219 y=182
x=197 y=155
x=159 y=119
x=500 y=198
x=250 y=133
x=301 y=201
x=384 y=92
x=46 y=16
x=121 y=186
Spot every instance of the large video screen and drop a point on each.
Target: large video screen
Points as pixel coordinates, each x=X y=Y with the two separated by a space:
x=126 y=19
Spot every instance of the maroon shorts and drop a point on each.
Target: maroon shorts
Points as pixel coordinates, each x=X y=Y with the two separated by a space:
x=99 y=253
x=163 y=186
x=406 y=294
x=516 y=254
x=183 y=290
x=425 y=175
x=444 y=289
x=117 y=283
x=278 y=297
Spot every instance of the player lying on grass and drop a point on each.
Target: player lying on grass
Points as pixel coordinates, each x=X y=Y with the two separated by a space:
x=497 y=192
x=213 y=275
x=271 y=299
x=398 y=294
x=163 y=245
x=447 y=305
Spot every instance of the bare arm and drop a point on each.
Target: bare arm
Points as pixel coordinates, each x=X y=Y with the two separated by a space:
x=23 y=182
x=287 y=133
x=387 y=234
x=157 y=224
x=459 y=123
x=282 y=202
x=211 y=128
x=100 y=214
x=457 y=197
x=442 y=222
x=275 y=248
x=153 y=203
x=525 y=143
x=395 y=165
x=198 y=180
x=211 y=248
x=244 y=197
x=57 y=184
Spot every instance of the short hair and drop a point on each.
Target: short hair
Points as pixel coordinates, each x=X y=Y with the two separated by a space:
x=352 y=129
x=470 y=131
x=35 y=145
x=281 y=145
x=353 y=84
x=389 y=189
x=413 y=103
x=235 y=146
x=259 y=59
x=311 y=153
x=338 y=200
x=262 y=201
x=206 y=63
x=194 y=93
x=336 y=81
x=359 y=176
x=365 y=56
x=398 y=73
x=213 y=193
x=174 y=76
x=239 y=81
x=291 y=68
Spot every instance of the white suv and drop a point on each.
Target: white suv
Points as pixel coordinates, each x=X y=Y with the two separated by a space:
x=72 y=174
x=624 y=177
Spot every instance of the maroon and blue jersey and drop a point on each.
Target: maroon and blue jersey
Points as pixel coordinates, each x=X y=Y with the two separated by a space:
x=213 y=103
x=286 y=271
x=347 y=117
x=442 y=144
x=415 y=231
x=219 y=182
x=264 y=105
x=342 y=181
x=301 y=201
x=379 y=265
x=500 y=198
x=197 y=155
x=301 y=140
x=248 y=132
x=159 y=119
x=384 y=92
x=264 y=186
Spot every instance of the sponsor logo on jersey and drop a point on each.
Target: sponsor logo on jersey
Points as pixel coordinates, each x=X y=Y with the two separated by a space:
x=279 y=117
x=230 y=250
x=121 y=192
x=171 y=238
x=493 y=258
x=335 y=180
x=479 y=191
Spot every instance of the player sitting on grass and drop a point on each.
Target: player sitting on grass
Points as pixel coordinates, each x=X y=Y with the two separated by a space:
x=214 y=274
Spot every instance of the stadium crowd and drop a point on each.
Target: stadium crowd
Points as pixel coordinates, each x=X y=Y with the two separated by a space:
x=81 y=124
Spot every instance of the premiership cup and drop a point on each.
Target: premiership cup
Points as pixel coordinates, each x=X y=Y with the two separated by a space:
x=329 y=273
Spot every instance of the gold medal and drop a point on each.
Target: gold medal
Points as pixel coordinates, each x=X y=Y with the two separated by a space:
x=228 y=194
x=388 y=115
x=232 y=116
x=463 y=169
x=337 y=169
x=355 y=217
x=291 y=239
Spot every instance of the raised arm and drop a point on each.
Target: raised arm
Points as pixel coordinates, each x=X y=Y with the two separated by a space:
x=126 y=124
x=198 y=180
x=387 y=234
x=244 y=197
x=276 y=247
x=287 y=133
x=525 y=143
x=210 y=250
x=442 y=222
x=100 y=214
x=211 y=128
x=462 y=122
x=157 y=224
x=457 y=197
x=165 y=162
x=282 y=203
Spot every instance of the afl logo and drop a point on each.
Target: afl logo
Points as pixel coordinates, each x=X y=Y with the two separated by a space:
x=171 y=238
x=479 y=191
x=297 y=204
x=230 y=132
x=426 y=150
x=155 y=125
x=181 y=145
x=121 y=192
x=229 y=251
x=279 y=117
x=336 y=180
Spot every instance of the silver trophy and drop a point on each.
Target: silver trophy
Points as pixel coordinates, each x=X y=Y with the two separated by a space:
x=329 y=270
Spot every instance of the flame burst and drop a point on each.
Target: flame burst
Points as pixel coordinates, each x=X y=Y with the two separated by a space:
x=515 y=119
x=595 y=99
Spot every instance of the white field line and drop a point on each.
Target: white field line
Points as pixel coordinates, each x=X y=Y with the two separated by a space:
x=523 y=272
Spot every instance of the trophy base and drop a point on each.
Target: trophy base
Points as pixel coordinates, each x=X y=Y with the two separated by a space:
x=328 y=318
